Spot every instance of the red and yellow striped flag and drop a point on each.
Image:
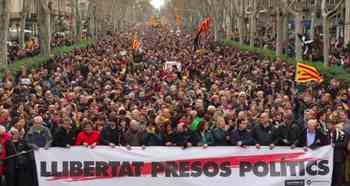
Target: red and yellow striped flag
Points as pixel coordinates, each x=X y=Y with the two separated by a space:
x=305 y=73
x=204 y=25
x=136 y=44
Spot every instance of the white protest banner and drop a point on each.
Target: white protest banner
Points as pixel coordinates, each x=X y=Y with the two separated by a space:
x=172 y=65
x=174 y=166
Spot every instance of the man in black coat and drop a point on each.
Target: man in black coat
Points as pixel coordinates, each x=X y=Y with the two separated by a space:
x=337 y=138
x=265 y=134
x=241 y=136
x=20 y=163
x=182 y=137
x=311 y=137
x=152 y=137
x=65 y=135
x=288 y=130
x=111 y=135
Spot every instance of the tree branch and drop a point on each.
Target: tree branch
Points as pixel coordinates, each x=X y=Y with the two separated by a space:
x=44 y=4
x=335 y=9
x=250 y=8
x=289 y=7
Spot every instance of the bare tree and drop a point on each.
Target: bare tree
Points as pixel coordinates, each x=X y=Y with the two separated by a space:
x=281 y=15
x=215 y=11
x=347 y=23
x=240 y=14
x=114 y=14
x=314 y=20
x=253 y=10
x=227 y=23
x=296 y=9
x=92 y=18
x=24 y=15
x=326 y=16
x=76 y=22
x=44 y=28
x=4 y=26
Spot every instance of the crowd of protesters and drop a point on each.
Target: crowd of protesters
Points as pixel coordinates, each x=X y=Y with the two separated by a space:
x=109 y=94
x=32 y=48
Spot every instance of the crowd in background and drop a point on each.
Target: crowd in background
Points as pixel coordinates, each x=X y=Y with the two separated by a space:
x=32 y=48
x=339 y=54
x=110 y=94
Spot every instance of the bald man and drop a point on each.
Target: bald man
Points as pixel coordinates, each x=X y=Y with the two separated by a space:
x=265 y=134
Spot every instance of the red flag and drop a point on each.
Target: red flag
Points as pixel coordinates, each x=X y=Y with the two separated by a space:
x=204 y=25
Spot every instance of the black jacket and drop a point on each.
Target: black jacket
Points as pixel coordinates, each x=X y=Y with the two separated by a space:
x=152 y=139
x=109 y=135
x=339 y=140
x=62 y=138
x=265 y=136
x=220 y=137
x=319 y=140
x=244 y=137
x=21 y=168
x=288 y=135
x=199 y=138
x=181 y=139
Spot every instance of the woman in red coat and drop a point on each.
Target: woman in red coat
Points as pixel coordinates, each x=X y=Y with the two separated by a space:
x=89 y=137
x=4 y=139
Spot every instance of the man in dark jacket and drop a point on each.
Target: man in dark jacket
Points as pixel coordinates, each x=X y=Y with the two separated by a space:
x=65 y=135
x=288 y=130
x=134 y=135
x=20 y=166
x=152 y=137
x=265 y=134
x=111 y=135
x=181 y=137
x=38 y=136
x=337 y=138
x=311 y=137
x=241 y=136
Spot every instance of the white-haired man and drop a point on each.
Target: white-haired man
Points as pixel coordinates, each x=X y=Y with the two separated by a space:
x=38 y=136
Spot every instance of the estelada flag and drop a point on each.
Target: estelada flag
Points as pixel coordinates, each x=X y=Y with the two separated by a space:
x=305 y=73
x=204 y=25
x=136 y=44
x=178 y=20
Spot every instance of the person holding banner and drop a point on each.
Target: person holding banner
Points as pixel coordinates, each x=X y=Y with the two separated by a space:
x=65 y=135
x=264 y=133
x=203 y=136
x=181 y=137
x=220 y=132
x=38 y=136
x=288 y=130
x=311 y=137
x=152 y=136
x=111 y=135
x=241 y=136
x=89 y=137
x=134 y=135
